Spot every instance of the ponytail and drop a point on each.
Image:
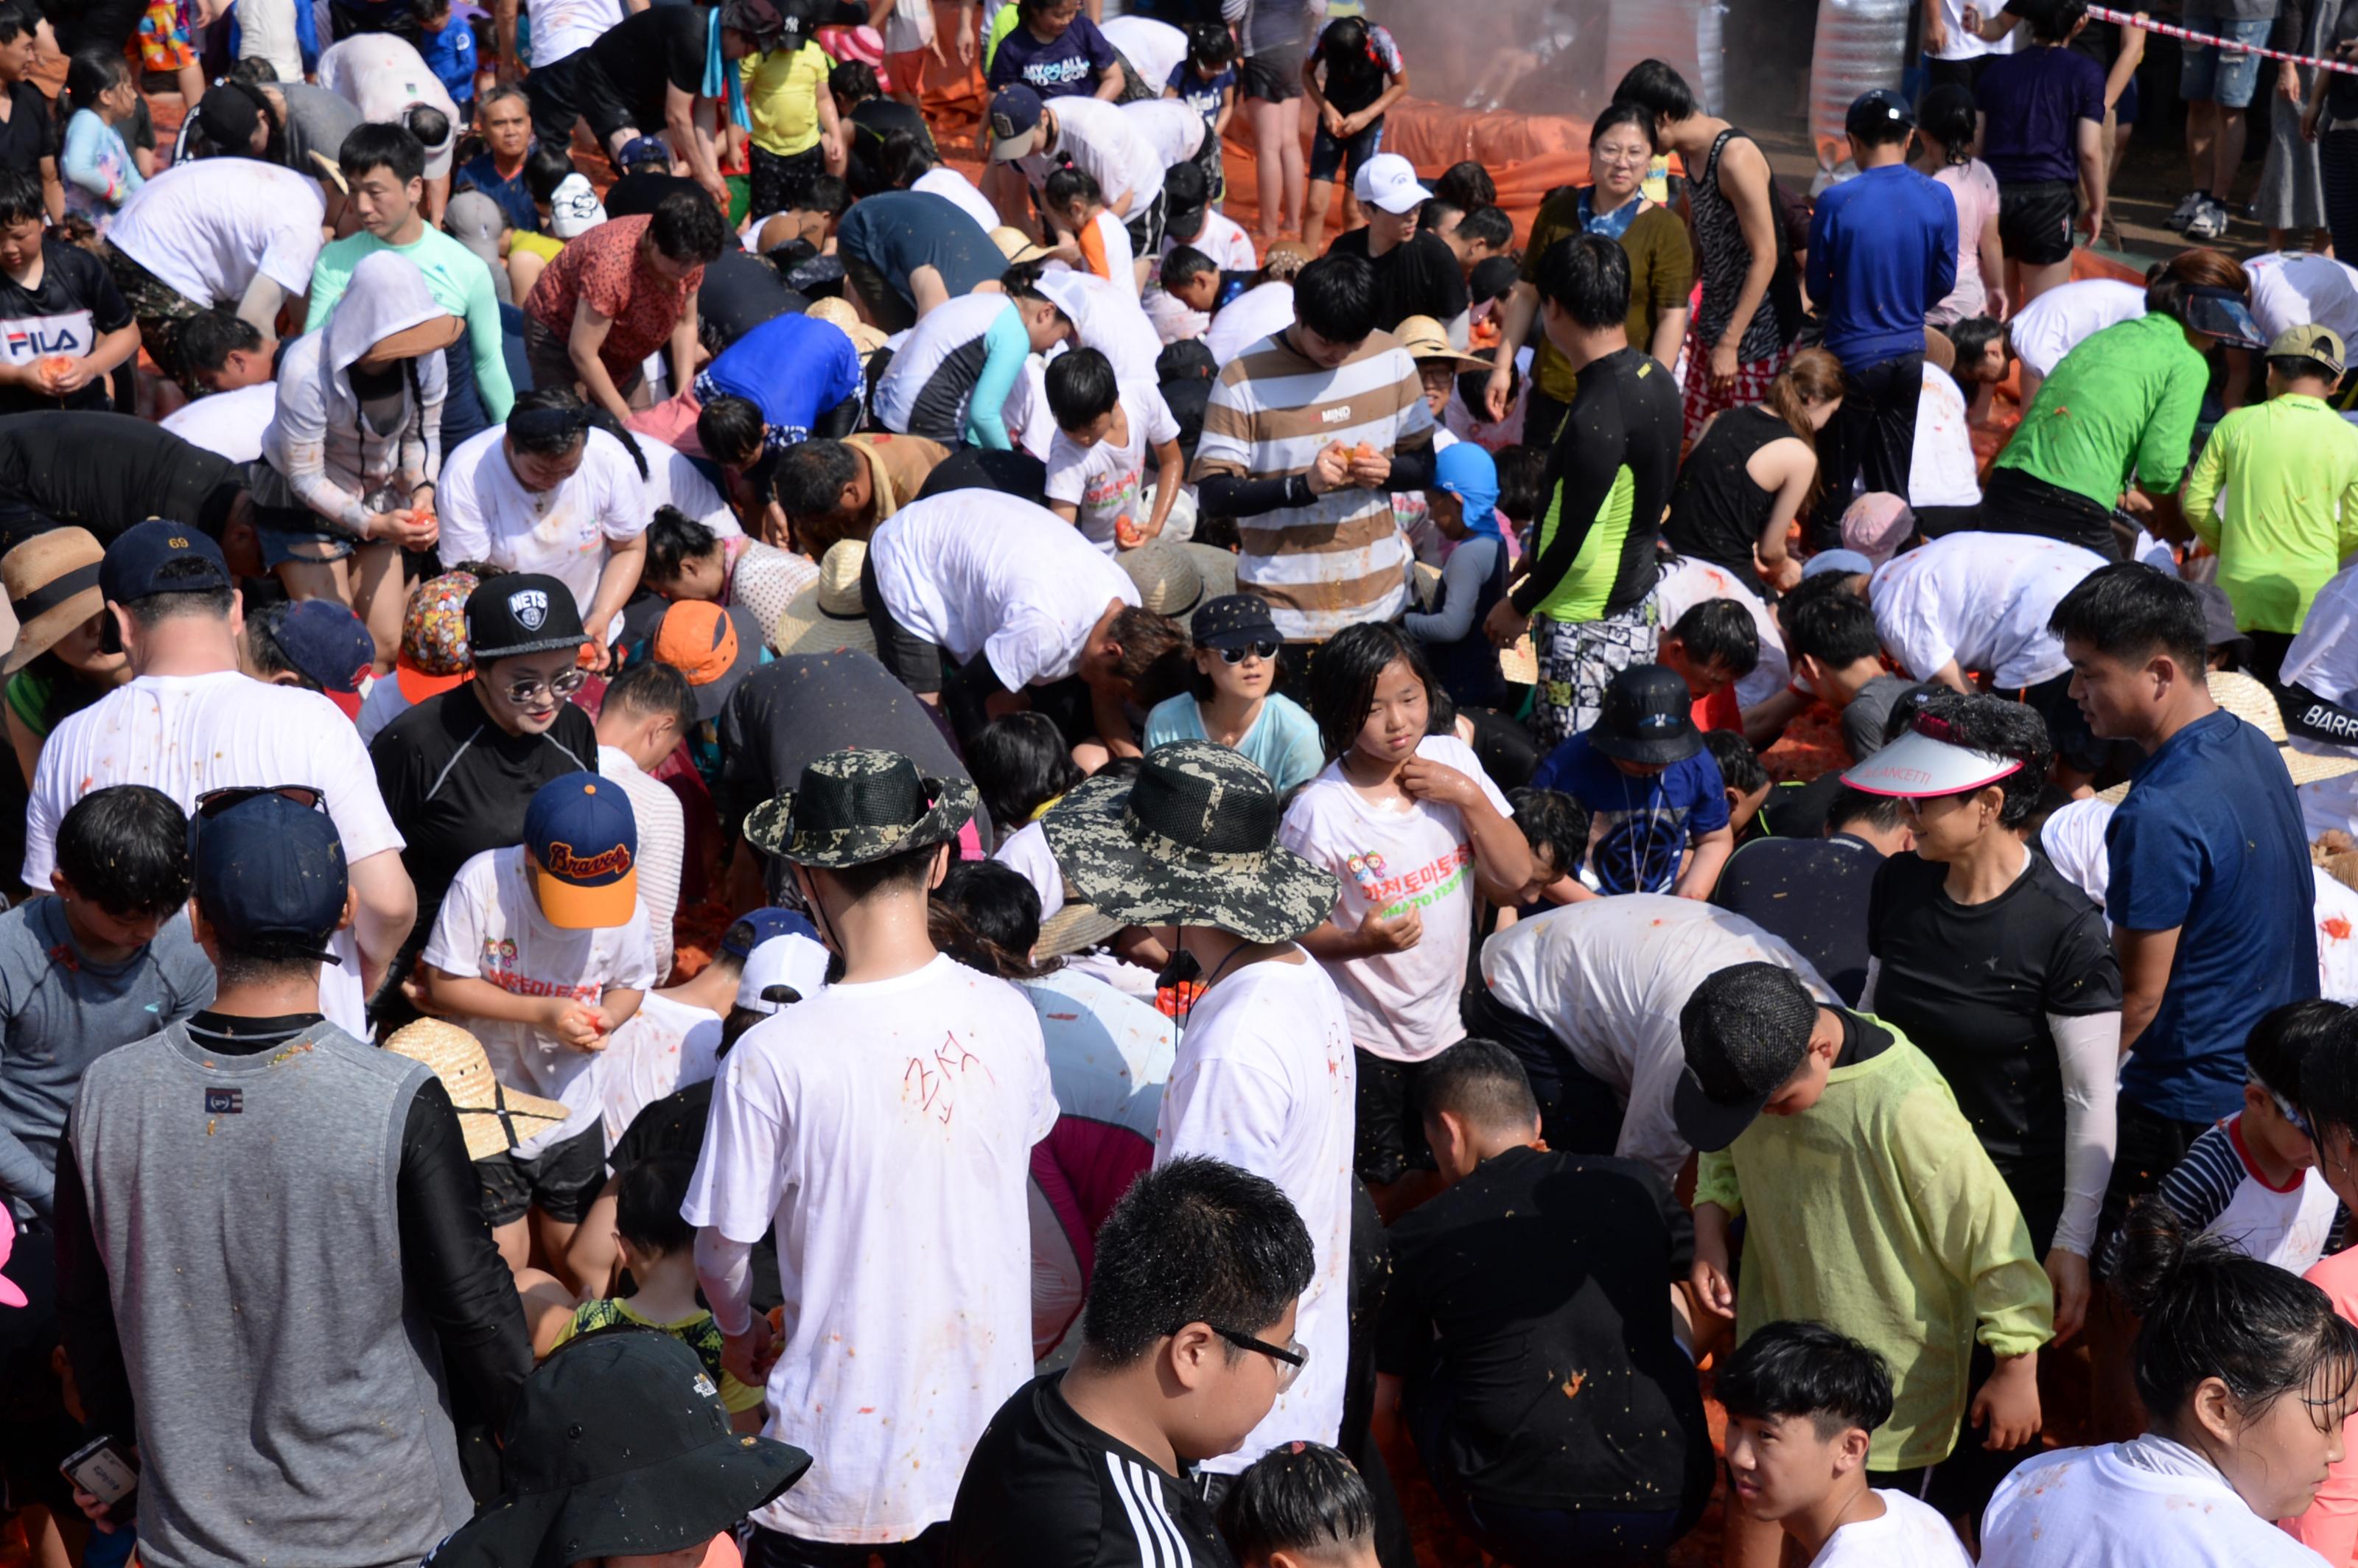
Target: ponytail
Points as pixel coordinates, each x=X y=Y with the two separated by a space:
x=1813 y=375
x=90 y=75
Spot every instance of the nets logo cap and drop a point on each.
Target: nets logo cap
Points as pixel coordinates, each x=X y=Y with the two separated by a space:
x=522 y=613
x=584 y=843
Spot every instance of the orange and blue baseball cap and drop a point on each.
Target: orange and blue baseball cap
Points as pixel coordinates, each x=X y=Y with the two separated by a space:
x=584 y=843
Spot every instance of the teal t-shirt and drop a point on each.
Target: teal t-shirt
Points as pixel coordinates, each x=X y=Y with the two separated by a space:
x=1282 y=742
x=458 y=280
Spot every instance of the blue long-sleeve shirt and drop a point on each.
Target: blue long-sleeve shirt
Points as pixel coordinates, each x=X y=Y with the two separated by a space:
x=1883 y=250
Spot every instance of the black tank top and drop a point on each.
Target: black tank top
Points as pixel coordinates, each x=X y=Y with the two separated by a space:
x=1717 y=512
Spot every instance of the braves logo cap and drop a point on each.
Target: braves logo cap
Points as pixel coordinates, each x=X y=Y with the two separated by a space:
x=584 y=842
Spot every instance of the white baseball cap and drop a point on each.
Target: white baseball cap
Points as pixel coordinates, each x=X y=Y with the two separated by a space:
x=1388 y=181
x=794 y=961
x=573 y=207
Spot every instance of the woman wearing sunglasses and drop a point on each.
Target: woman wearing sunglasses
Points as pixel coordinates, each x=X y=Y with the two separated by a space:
x=1233 y=703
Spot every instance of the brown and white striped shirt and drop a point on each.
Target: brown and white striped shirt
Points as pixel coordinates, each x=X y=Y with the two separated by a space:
x=1341 y=559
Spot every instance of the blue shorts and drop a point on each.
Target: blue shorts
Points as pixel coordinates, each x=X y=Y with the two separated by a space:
x=1329 y=157
x=280 y=529
x=2225 y=77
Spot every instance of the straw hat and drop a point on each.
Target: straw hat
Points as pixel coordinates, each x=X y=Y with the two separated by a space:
x=1426 y=338
x=1174 y=578
x=864 y=338
x=830 y=613
x=1075 y=928
x=52 y=581
x=494 y=1117
x=1520 y=663
x=1016 y=245
x=431 y=336
x=2250 y=700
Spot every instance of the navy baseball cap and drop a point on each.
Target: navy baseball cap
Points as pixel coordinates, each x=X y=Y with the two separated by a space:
x=328 y=643
x=147 y=558
x=641 y=150
x=1878 y=111
x=584 y=843
x=1014 y=123
x=1233 y=621
x=268 y=868
x=766 y=925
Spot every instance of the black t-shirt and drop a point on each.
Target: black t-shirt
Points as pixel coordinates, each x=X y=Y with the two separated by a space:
x=30 y=133
x=897 y=232
x=1814 y=893
x=1527 y=1315
x=1046 y=1490
x=638 y=195
x=740 y=292
x=456 y=785
x=796 y=709
x=1972 y=986
x=105 y=471
x=1418 y=278
x=1626 y=414
x=870 y=125
x=649 y=50
x=75 y=304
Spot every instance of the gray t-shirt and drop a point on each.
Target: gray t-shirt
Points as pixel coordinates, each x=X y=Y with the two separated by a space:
x=1867 y=715
x=60 y=1012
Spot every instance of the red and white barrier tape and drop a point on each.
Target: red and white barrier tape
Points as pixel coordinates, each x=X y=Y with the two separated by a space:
x=2104 y=14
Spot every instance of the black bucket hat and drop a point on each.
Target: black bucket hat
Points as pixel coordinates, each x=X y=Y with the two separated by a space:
x=857 y=807
x=1192 y=839
x=619 y=1446
x=1647 y=717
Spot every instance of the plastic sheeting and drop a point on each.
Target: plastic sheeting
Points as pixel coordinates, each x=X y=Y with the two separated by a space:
x=1862 y=45
x=1685 y=32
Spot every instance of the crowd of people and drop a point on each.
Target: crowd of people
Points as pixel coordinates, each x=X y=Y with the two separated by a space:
x=733 y=846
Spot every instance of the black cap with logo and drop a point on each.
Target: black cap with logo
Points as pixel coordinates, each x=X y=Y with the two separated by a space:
x=522 y=613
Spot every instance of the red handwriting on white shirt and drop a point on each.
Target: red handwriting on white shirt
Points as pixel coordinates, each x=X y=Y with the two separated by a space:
x=934 y=1079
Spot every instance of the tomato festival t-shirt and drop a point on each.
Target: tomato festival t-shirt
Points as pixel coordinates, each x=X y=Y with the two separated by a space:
x=1108 y=482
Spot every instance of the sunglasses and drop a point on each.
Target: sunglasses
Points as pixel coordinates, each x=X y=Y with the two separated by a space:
x=1291 y=1356
x=1257 y=650
x=562 y=686
x=213 y=802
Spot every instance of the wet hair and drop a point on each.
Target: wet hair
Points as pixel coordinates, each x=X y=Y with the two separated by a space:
x=427 y=123
x=1481 y=1082
x=1812 y=375
x=1998 y=728
x=89 y=75
x=2329 y=1080
x=1184 y=265
x=987 y=916
x=1081 y=387
x=2301 y=367
x=808 y=481
x=1739 y=764
x=647 y=1197
x=1587 y=276
x=854 y=80
x=1660 y=91
x=1067 y=186
x=372 y=144
x=1523 y=474
x=2129 y=611
x=1336 y=297
x=2211 y=1311
x=1185 y=360
x=210 y=337
x=17 y=20
x=1304 y=1498
x=1832 y=625
x=674 y=539
x=1553 y=821
x=1466 y=186
x=167 y=603
x=1196 y=1240
x=2280 y=1042
x=731 y=430
x=1020 y=763
x=904 y=159
x=655 y=689
x=688 y=227
x=2052 y=23
x=826 y=193
x=1343 y=680
x=1210 y=44
x=545 y=168
x=1971 y=337
x=1489 y=226
x=1343 y=45
x=559 y=438
x=20 y=197
x=1881 y=812
x=1806 y=1369
x=1435 y=215
x=126 y=849
x=2168 y=283
x=1945 y=113
x=1720 y=632
x=1617 y=115
x=1156 y=658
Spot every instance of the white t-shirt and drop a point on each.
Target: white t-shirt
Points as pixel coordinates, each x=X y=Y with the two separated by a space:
x=562 y=27
x=491 y=928
x=229 y=422
x=1171 y=126
x=1391 y=858
x=673 y=481
x=1255 y=314
x=1942 y=471
x=1174 y=320
x=1982 y=600
x=1107 y=318
x=382 y=76
x=385 y=703
x=267 y=30
x=1684 y=584
x=1154 y=48
x=187 y=734
x=1909 y=1535
x=488 y=515
x=2297 y=289
x=1264 y=1078
x=1027 y=854
x=947 y=183
x=2337 y=938
x=2088 y=1508
x=1963 y=45
x=205 y=228
x=1099 y=138
x=2074 y=841
x=663 y=846
x=983 y=573
x=665 y=1047
x=1108 y=482
x=1225 y=240
x=2324 y=658
x=2050 y=326
x=886 y=1130
x=1607 y=977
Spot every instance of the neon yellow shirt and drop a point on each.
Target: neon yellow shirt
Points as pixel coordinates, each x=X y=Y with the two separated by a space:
x=1003 y=22
x=697 y=1331
x=782 y=89
x=2288 y=471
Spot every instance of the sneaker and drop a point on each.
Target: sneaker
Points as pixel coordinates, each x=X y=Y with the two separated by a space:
x=2183 y=213
x=2210 y=221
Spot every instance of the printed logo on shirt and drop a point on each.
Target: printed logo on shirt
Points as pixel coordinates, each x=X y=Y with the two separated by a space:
x=500 y=955
x=1338 y=415
x=1421 y=889
x=530 y=607
x=224 y=1102
x=26 y=337
x=1055 y=72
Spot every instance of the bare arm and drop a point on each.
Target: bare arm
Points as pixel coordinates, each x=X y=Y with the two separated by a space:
x=1393 y=91
x=2117 y=80
x=53 y=191
x=504 y=23
x=581 y=345
x=1702 y=873
x=1110 y=85
x=1669 y=336
x=1170 y=473
x=686 y=342
x=625 y=559
x=2090 y=134
x=1992 y=256
x=684 y=129
x=1746 y=180
x=2147 y=958
x=1522 y=307
x=385 y=909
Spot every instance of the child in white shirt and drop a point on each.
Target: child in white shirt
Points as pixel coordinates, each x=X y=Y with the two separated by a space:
x=1096 y=461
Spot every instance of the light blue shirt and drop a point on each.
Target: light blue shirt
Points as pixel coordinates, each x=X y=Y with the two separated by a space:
x=1282 y=742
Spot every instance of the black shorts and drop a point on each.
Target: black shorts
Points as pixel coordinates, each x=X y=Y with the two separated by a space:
x=1390 y=1131
x=913 y=661
x=2034 y=220
x=574 y=89
x=886 y=307
x=1272 y=77
x=781 y=182
x=2150 y=1147
x=1145 y=229
x=562 y=1181
x=1329 y=157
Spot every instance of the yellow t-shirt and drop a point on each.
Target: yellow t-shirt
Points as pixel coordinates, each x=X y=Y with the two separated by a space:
x=782 y=91
x=697 y=1331
x=545 y=246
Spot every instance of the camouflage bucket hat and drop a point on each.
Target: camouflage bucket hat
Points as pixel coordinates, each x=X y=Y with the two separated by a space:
x=860 y=805
x=1192 y=839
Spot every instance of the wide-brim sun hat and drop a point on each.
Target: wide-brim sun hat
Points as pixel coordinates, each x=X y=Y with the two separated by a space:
x=856 y=806
x=2250 y=700
x=1174 y=579
x=492 y=1118
x=865 y=338
x=1075 y=928
x=51 y=581
x=831 y=613
x=1191 y=840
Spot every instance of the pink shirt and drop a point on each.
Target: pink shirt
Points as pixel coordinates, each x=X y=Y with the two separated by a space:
x=2330 y=1527
x=1975 y=190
